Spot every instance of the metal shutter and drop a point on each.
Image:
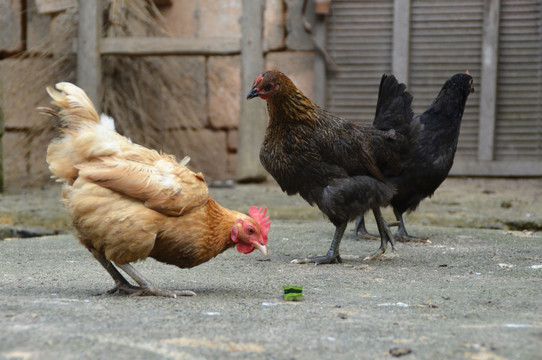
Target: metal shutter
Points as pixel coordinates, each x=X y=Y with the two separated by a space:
x=518 y=129
x=445 y=39
x=359 y=38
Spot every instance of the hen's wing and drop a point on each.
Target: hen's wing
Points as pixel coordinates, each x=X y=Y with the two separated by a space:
x=163 y=185
x=347 y=145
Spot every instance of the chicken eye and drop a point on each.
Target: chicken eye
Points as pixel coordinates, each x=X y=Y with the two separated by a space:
x=267 y=87
x=250 y=230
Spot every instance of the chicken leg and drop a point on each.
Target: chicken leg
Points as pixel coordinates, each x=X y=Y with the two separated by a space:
x=402 y=234
x=385 y=235
x=122 y=285
x=333 y=253
x=360 y=229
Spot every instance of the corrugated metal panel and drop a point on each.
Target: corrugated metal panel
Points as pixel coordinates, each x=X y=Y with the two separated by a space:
x=359 y=38
x=446 y=38
x=519 y=94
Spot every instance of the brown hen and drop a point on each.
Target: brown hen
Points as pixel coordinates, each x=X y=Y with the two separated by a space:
x=128 y=202
x=342 y=167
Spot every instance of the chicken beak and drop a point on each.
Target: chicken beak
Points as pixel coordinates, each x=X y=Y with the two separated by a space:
x=253 y=93
x=261 y=247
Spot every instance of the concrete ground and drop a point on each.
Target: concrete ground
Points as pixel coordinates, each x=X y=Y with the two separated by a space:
x=473 y=293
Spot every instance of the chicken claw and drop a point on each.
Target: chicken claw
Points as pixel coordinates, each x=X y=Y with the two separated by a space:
x=124 y=288
x=318 y=260
x=402 y=234
x=333 y=253
x=375 y=255
x=121 y=284
x=409 y=238
x=147 y=289
x=385 y=238
x=161 y=292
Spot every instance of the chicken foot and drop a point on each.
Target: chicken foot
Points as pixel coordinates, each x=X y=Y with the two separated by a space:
x=333 y=253
x=385 y=235
x=145 y=286
x=121 y=284
x=402 y=234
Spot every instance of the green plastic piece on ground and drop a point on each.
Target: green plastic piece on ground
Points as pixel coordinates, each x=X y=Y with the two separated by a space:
x=293 y=293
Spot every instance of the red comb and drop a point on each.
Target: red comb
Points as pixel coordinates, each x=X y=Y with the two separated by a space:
x=262 y=220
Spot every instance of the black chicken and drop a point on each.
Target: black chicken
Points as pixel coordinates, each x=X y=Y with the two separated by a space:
x=340 y=166
x=433 y=156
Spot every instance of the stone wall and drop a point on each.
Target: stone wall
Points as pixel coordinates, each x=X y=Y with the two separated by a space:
x=211 y=84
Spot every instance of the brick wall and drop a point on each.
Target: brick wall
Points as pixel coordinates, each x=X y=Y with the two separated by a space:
x=212 y=94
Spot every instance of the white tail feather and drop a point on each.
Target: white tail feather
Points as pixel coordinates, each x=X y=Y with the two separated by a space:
x=185 y=161
x=75 y=94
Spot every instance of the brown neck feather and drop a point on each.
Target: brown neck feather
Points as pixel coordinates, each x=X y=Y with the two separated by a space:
x=196 y=237
x=222 y=221
x=290 y=105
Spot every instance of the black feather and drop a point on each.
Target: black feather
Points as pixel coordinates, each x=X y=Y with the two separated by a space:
x=433 y=156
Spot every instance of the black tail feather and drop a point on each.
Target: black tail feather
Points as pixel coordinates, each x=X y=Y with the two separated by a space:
x=393 y=108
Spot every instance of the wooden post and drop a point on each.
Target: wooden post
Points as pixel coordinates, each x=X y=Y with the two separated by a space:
x=488 y=83
x=1 y=129
x=320 y=74
x=253 y=113
x=89 y=64
x=401 y=35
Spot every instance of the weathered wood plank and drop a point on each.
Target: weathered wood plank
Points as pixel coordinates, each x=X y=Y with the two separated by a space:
x=142 y=46
x=320 y=34
x=163 y=2
x=52 y=6
x=1 y=127
x=401 y=40
x=89 y=61
x=253 y=113
x=497 y=168
x=488 y=95
x=11 y=32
